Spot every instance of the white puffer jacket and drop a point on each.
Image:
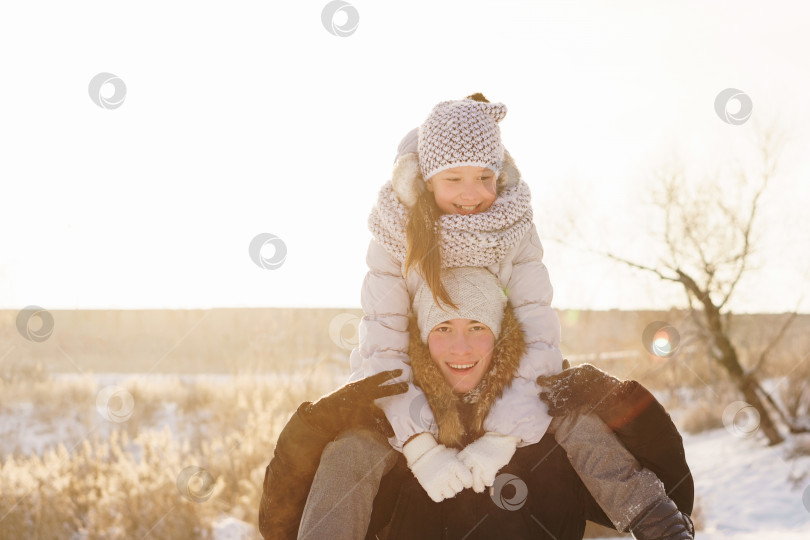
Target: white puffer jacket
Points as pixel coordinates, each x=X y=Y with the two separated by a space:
x=386 y=298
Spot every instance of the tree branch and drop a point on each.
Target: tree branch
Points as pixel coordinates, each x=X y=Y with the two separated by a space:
x=640 y=267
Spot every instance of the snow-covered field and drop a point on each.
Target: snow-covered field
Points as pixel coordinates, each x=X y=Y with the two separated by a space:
x=744 y=489
x=747 y=490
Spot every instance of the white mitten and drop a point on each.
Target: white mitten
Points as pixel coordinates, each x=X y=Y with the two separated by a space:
x=485 y=457
x=436 y=467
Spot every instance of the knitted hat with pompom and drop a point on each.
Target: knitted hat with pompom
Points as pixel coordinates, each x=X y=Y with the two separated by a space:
x=461 y=133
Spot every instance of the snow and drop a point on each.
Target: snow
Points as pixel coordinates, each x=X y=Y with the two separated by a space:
x=228 y=528
x=744 y=488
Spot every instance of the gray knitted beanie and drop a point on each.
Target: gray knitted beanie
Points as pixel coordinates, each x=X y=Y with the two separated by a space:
x=476 y=292
x=461 y=133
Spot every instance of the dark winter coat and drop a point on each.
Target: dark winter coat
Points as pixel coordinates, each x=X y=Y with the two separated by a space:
x=556 y=506
x=545 y=499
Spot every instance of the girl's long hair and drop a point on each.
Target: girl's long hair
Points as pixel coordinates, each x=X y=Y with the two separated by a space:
x=424 y=240
x=424 y=252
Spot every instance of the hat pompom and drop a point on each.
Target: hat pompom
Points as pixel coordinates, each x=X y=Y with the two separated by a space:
x=478 y=96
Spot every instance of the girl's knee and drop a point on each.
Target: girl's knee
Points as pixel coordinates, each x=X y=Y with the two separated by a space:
x=363 y=441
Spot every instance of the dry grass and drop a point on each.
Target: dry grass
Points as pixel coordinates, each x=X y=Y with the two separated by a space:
x=119 y=480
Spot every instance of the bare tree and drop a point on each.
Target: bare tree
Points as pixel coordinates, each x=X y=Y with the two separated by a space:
x=709 y=239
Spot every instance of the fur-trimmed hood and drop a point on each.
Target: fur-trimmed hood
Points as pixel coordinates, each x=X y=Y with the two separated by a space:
x=445 y=404
x=408 y=182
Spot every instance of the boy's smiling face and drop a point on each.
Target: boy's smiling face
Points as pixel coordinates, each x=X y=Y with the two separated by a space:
x=462 y=350
x=463 y=190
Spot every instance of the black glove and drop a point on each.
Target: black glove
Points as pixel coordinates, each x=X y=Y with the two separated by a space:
x=581 y=386
x=663 y=520
x=353 y=405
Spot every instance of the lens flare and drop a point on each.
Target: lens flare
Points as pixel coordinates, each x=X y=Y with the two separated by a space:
x=661 y=339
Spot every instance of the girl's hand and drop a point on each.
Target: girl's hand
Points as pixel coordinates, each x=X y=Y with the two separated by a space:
x=486 y=456
x=436 y=467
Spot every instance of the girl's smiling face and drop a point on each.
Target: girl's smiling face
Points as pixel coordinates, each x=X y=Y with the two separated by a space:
x=462 y=350
x=463 y=190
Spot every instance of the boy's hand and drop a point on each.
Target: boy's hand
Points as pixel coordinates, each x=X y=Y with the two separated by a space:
x=581 y=386
x=353 y=405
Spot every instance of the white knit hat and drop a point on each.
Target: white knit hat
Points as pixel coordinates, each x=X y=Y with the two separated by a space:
x=476 y=292
x=461 y=133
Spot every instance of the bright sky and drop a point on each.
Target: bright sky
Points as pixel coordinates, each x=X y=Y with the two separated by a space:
x=242 y=118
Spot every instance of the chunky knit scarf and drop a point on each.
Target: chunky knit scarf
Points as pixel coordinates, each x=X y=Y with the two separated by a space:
x=466 y=240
